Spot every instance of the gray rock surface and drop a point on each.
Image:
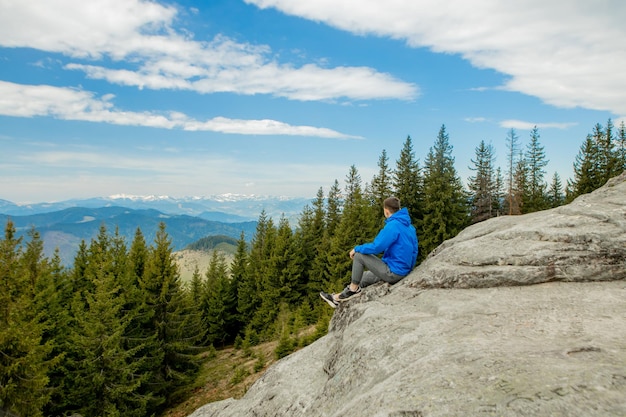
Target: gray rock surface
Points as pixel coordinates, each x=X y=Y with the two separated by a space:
x=467 y=335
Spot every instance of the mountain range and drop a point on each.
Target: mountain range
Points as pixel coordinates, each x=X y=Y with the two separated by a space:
x=223 y=207
x=64 y=225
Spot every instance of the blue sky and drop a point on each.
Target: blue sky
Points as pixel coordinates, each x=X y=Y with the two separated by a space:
x=281 y=97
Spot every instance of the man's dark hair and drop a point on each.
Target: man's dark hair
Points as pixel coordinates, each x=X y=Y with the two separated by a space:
x=392 y=204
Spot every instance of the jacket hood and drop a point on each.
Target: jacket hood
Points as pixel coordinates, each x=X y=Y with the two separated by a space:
x=401 y=216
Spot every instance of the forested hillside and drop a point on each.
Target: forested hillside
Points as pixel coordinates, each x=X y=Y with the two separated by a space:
x=65 y=229
x=119 y=334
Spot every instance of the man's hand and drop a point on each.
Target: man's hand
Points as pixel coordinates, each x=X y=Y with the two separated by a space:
x=352 y=254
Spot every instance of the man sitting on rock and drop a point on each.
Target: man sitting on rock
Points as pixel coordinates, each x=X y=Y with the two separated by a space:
x=397 y=241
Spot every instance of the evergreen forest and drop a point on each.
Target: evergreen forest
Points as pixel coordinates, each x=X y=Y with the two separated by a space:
x=119 y=334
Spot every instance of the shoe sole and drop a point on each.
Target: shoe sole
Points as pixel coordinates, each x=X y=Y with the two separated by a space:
x=341 y=300
x=330 y=303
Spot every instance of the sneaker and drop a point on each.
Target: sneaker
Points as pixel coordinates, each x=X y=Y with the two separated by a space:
x=329 y=299
x=347 y=293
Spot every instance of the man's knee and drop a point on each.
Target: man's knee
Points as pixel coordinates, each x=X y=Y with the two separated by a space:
x=358 y=257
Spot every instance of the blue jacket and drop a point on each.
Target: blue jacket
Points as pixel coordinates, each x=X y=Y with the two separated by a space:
x=397 y=241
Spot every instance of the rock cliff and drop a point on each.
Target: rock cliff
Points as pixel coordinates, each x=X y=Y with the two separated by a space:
x=466 y=334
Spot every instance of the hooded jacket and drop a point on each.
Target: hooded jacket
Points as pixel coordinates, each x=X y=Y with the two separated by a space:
x=397 y=241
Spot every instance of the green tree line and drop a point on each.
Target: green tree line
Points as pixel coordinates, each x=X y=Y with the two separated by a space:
x=118 y=333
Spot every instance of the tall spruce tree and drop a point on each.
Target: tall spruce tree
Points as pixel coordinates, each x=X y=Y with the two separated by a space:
x=287 y=264
x=250 y=286
x=320 y=273
x=140 y=334
x=312 y=230
x=586 y=169
x=238 y=275
x=324 y=262
x=380 y=188
x=512 y=205
x=334 y=207
x=219 y=302
x=138 y=257
x=195 y=289
x=536 y=162
x=408 y=183
x=355 y=227
x=482 y=186
x=52 y=293
x=555 y=193
x=281 y=287
x=176 y=327
x=621 y=147
x=609 y=165
x=520 y=185
x=24 y=356
x=105 y=377
x=446 y=210
x=498 y=203
x=382 y=183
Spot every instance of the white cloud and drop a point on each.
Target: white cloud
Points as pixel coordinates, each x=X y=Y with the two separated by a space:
x=566 y=52
x=522 y=125
x=20 y=100
x=475 y=119
x=83 y=29
x=267 y=127
x=141 y=36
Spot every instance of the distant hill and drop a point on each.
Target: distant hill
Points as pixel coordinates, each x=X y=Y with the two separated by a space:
x=220 y=242
x=66 y=228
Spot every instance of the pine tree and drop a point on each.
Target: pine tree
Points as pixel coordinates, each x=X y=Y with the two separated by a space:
x=280 y=283
x=138 y=256
x=597 y=161
x=287 y=264
x=334 y=208
x=310 y=237
x=498 y=202
x=382 y=183
x=32 y=260
x=521 y=193
x=482 y=186
x=24 y=357
x=320 y=274
x=106 y=376
x=176 y=327
x=323 y=264
x=219 y=302
x=196 y=286
x=512 y=141
x=555 y=193
x=408 y=183
x=445 y=206
x=238 y=275
x=355 y=227
x=536 y=162
x=586 y=169
x=79 y=282
x=140 y=335
x=621 y=147
x=52 y=303
x=103 y=372
x=250 y=284
x=609 y=165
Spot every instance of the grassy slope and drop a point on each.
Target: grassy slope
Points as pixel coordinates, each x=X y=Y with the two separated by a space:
x=229 y=373
x=187 y=260
x=223 y=377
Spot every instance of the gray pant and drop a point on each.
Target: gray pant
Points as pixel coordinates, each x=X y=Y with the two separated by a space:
x=377 y=270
